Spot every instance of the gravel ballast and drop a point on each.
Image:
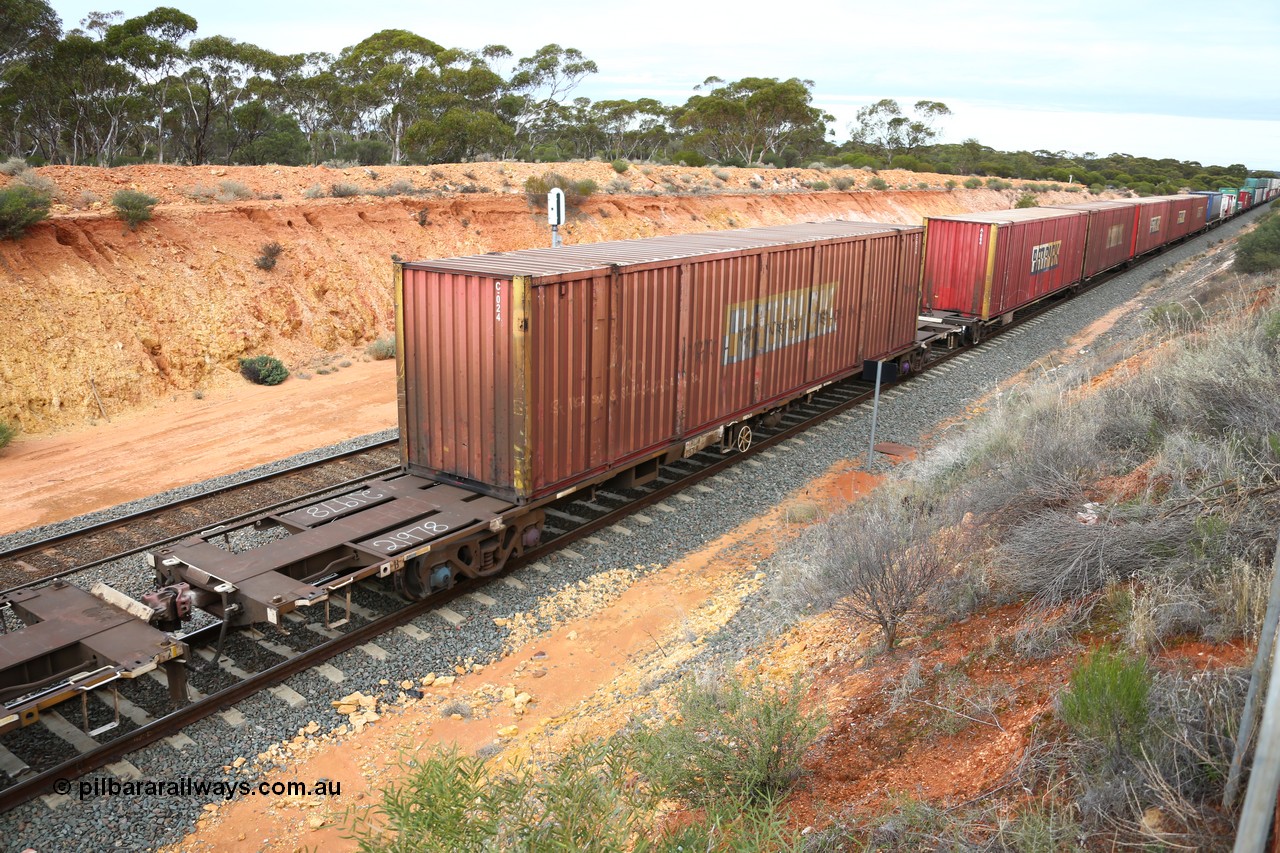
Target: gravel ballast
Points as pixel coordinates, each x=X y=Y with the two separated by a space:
x=143 y=823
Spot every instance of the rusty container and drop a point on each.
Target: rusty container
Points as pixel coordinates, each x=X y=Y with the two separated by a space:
x=984 y=265
x=528 y=374
x=1151 y=227
x=1110 y=234
x=1187 y=213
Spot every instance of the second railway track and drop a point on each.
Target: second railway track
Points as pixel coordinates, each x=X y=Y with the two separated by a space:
x=55 y=556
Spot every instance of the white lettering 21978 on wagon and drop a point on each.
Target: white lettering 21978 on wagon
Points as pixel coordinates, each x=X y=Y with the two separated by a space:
x=344 y=503
x=393 y=542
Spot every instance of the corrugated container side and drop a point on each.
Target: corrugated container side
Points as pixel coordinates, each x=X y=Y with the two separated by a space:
x=1151 y=228
x=1213 y=210
x=987 y=268
x=1110 y=234
x=525 y=385
x=1186 y=214
x=457 y=351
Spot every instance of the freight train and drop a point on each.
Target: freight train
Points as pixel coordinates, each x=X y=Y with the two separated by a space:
x=525 y=377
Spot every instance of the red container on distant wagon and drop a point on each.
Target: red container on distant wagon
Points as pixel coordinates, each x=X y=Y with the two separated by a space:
x=1151 y=228
x=1187 y=213
x=984 y=265
x=1110 y=234
x=529 y=374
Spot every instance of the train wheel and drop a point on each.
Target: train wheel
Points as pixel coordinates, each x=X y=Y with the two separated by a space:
x=742 y=440
x=420 y=580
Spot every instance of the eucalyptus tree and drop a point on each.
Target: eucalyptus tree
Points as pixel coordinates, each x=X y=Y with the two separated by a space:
x=386 y=75
x=217 y=78
x=541 y=85
x=151 y=47
x=884 y=129
x=752 y=117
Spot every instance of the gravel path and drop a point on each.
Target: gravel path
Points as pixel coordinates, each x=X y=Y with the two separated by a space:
x=142 y=823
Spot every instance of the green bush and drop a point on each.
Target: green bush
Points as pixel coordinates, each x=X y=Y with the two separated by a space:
x=950 y=185
x=620 y=166
x=878 y=184
x=732 y=739
x=133 y=207
x=20 y=208
x=998 y=184
x=7 y=432
x=1106 y=700
x=688 y=157
x=382 y=349
x=452 y=802
x=1259 y=250
x=1027 y=200
x=343 y=190
x=972 y=183
x=842 y=183
x=270 y=253
x=536 y=188
x=819 y=186
x=263 y=370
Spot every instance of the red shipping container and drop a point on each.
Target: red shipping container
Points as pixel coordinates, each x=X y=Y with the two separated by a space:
x=1187 y=214
x=1110 y=240
x=527 y=374
x=986 y=264
x=1151 y=228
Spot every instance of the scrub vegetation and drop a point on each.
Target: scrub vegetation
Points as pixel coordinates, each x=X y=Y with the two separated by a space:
x=1124 y=519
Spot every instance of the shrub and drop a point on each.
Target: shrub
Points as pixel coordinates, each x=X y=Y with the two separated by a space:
x=818 y=166
x=721 y=174
x=998 y=184
x=619 y=185
x=620 y=166
x=382 y=349
x=20 y=208
x=314 y=191
x=744 y=741
x=882 y=559
x=453 y=802
x=688 y=158
x=39 y=183
x=232 y=191
x=950 y=185
x=7 y=432
x=972 y=183
x=922 y=185
x=843 y=183
x=1027 y=200
x=13 y=166
x=343 y=190
x=819 y=186
x=133 y=207
x=1259 y=250
x=263 y=370
x=1174 y=316
x=270 y=252
x=575 y=192
x=878 y=183
x=1106 y=700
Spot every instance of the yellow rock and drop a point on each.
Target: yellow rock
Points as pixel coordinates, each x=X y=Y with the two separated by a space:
x=508 y=694
x=508 y=731
x=406 y=685
x=444 y=681
x=239 y=762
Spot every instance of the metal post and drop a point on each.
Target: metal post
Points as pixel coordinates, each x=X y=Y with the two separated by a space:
x=1266 y=642
x=555 y=237
x=875 y=415
x=1264 y=780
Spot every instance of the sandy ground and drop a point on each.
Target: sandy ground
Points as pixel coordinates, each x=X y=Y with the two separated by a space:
x=185 y=440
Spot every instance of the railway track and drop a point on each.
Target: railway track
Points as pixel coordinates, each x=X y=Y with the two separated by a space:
x=66 y=553
x=259 y=659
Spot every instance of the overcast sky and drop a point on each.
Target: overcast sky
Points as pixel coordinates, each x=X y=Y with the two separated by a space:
x=1189 y=80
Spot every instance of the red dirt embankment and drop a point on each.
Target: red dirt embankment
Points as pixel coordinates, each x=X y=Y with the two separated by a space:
x=140 y=316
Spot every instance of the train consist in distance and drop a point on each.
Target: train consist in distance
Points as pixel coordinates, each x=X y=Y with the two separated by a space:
x=525 y=377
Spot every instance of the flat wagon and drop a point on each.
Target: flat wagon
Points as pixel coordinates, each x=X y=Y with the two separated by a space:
x=526 y=375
